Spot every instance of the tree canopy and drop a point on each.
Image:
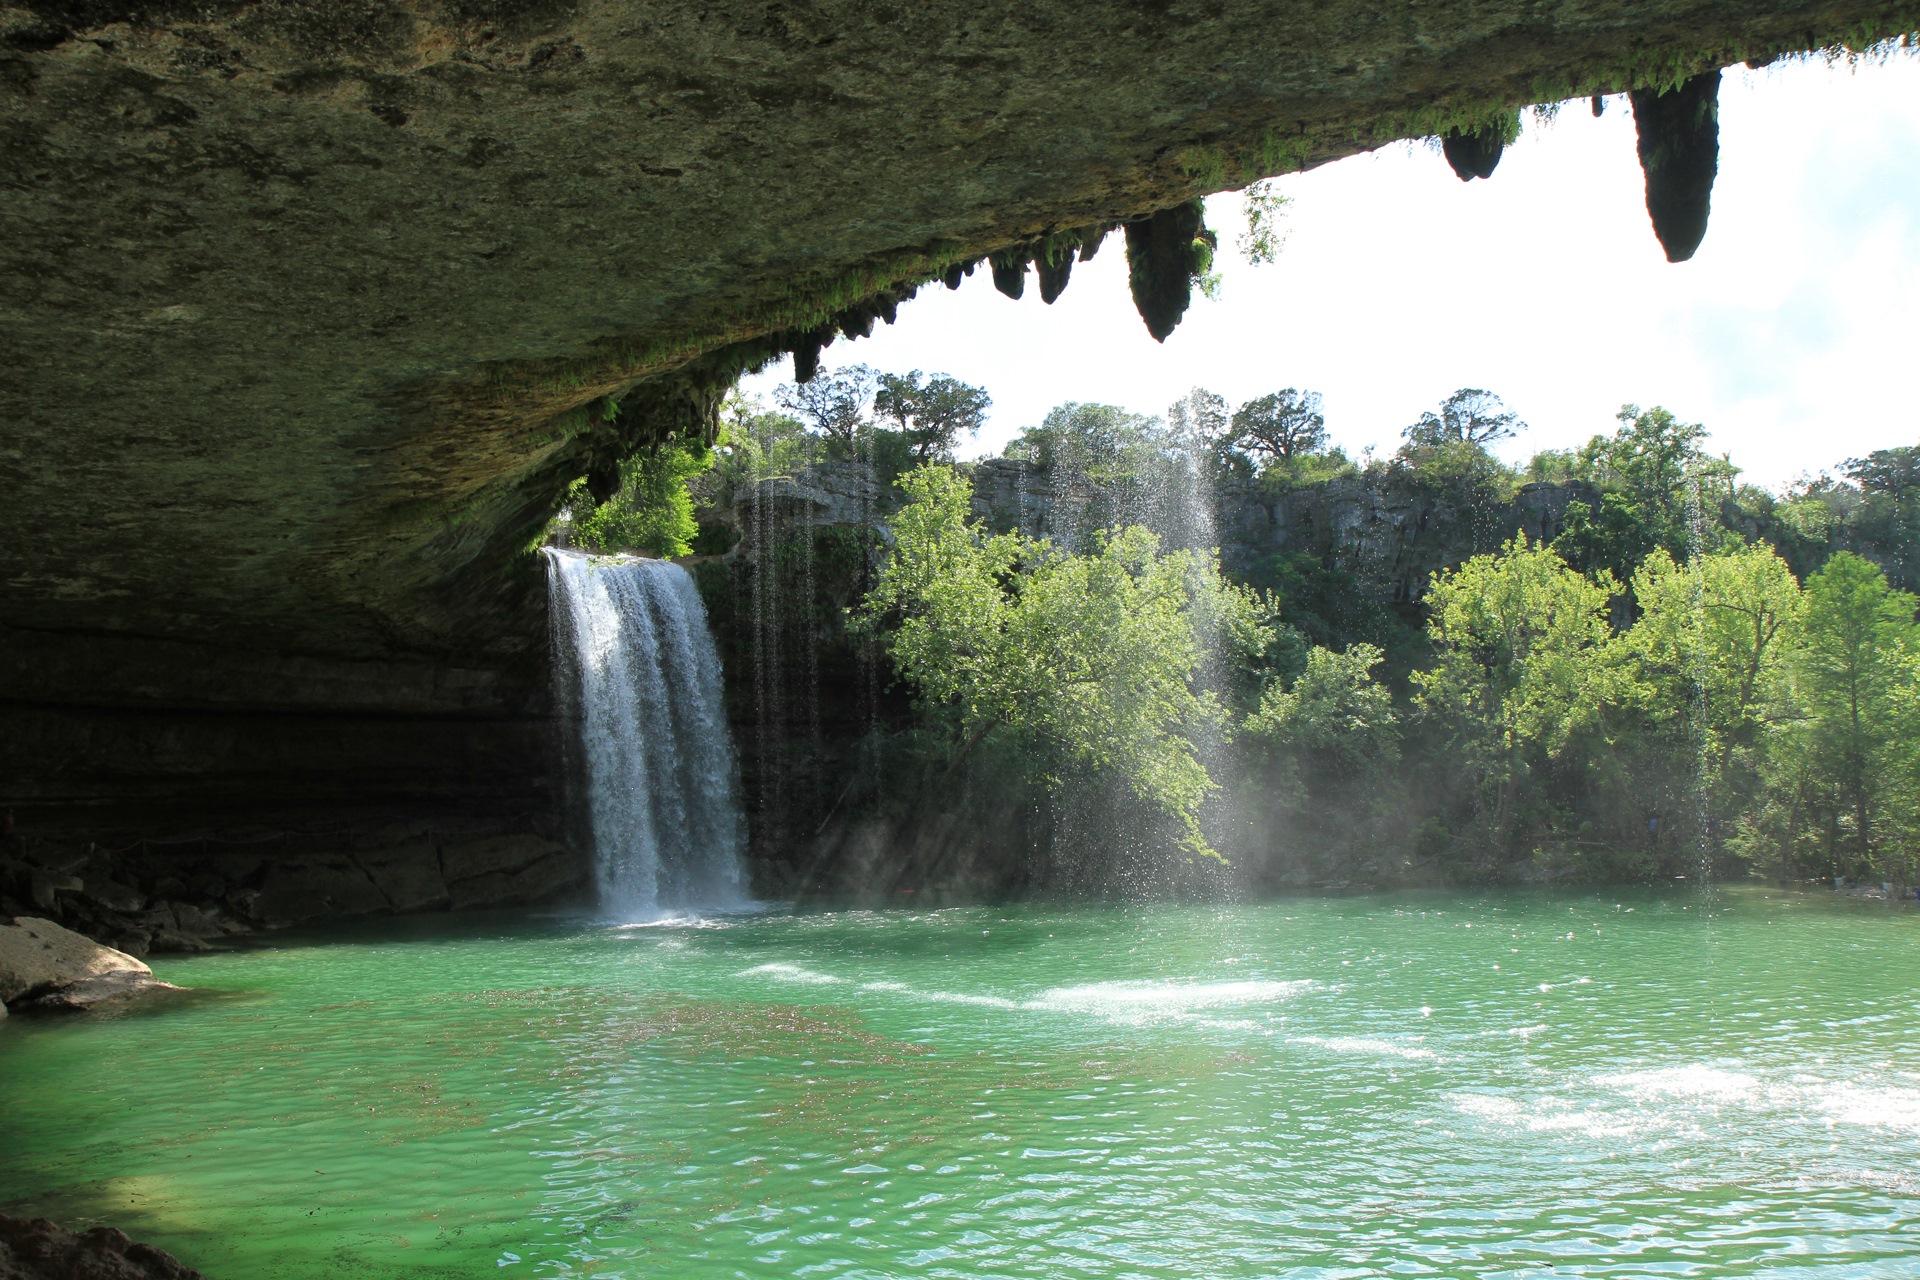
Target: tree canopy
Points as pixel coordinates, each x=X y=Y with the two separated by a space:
x=1094 y=660
x=833 y=403
x=933 y=412
x=1469 y=416
x=1281 y=426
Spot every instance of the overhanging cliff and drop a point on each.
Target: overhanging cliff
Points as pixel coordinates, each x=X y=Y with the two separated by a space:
x=310 y=308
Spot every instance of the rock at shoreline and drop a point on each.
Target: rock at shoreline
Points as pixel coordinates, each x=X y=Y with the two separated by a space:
x=46 y=967
x=35 y=1249
x=507 y=870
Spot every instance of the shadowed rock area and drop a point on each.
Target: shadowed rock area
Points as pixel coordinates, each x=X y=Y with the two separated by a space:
x=35 y=1249
x=312 y=310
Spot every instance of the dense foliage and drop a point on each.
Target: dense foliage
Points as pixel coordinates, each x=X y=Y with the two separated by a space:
x=1690 y=673
x=1091 y=661
x=1681 y=672
x=652 y=512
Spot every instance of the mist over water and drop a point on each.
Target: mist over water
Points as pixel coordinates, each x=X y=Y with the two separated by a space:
x=635 y=669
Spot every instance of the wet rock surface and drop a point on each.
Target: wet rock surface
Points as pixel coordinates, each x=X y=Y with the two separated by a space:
x=36 y=1249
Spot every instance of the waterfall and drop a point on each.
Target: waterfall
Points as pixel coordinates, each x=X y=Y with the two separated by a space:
x=635 y=665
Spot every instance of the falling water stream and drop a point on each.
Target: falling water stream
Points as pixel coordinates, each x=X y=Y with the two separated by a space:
x=636 y=667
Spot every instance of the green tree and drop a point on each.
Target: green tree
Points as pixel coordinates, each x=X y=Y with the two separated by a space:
x=652 y=511
x=1280 y=427
x=1093 y=662
x=1468 y=416
x=755 y=444
x=1334 y=711
x=1713 y=642
x=1659 y=488
x=932 y=412
x=1518 y=640
x=1894 y=472
x=1102 y=441
x=833 y=404
x=1856 y=683
x=1198 y=421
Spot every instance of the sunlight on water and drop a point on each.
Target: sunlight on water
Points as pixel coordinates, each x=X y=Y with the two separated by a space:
x=1450 y=1087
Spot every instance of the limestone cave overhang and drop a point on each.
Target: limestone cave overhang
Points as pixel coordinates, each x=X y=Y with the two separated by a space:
x=312 y=309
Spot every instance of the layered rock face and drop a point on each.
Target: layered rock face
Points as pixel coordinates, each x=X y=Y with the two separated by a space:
x=312 y=310
x=182 y=895
x=1389 y=534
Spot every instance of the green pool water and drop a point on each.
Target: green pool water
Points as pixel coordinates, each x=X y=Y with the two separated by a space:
x=1525 y=1085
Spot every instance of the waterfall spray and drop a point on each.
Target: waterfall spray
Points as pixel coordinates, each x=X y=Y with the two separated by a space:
x=636 y=667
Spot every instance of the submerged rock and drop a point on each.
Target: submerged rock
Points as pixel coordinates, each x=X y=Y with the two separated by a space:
x=36 y=1249
x=46 y=967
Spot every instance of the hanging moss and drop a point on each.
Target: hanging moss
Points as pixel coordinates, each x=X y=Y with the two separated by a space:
x=1165 y=253
x=1010 y=271
x=1679 y=143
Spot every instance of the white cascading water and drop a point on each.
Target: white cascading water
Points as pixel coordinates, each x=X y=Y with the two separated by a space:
x=635 y=665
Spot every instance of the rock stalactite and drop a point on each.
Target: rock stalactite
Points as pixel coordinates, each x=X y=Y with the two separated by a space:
x=1164 y=254
x=1679 y=139
x=1473 y=153
x=1053 y=271
x=1010 y=272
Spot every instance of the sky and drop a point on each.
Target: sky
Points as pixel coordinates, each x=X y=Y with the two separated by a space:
x=1793 y=335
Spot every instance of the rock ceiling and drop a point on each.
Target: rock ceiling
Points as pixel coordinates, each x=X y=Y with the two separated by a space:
x=308 y=306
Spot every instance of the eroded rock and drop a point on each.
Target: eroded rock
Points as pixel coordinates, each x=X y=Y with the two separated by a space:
x=510 y=870
x=316 y=888
x=46 y=967
x=1164 y=254
x=1473 y=153
x=36 y=1249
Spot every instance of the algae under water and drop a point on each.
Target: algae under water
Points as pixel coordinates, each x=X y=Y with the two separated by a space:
x=1504 y=1085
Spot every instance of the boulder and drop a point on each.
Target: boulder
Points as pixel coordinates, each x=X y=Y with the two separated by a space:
x=113 y=895
x=510 y=870
x=45 y=885
x=43 y=966
x=329 y=886
x=496 y=853
x=36 y=1249
x=560 y=872
x=409 y=875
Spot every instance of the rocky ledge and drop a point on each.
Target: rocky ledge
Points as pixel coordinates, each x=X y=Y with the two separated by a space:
x=35 y=1249
x=147 y=898
x=45 y=968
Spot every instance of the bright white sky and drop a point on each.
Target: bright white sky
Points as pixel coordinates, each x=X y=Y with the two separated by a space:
x=1792 y=334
